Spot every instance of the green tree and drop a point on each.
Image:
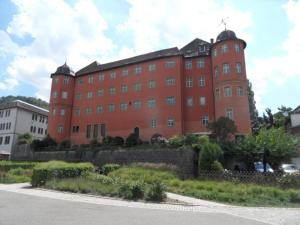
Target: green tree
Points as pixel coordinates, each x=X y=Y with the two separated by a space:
x=282 y=116
x=25 y=139
x=252 y=108
x=30 y=100
x=223 y=128
x=209 y=153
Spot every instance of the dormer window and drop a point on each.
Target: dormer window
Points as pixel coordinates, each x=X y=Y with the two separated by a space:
x=202 y=48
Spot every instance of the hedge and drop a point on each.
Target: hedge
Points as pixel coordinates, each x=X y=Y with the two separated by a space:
x=107 y=168
x=58 y=169
x=8 y=165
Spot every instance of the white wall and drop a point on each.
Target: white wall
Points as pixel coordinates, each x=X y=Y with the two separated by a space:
x=6 y=148
x=295 y=120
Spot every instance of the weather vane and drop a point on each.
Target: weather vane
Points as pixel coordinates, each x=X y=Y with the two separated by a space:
x=224 y=21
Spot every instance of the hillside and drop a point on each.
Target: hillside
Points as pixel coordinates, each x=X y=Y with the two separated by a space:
x=30 y=100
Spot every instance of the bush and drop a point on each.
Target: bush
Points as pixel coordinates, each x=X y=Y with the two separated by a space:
x=158 y=139
x=94 y=143
x=108 y=140
x=65 y=144
x=131 y=190
x=118 y=141
x=132 y=140
x=22 y=141
x=58 y=169
x=209 y=153
x=155 y=192
x=36 y=144
x=107 y=168
x=289 y=181
x=25 y=139
x=8 y=165
x=49 y=141
x=176 y=141
x=217 y=166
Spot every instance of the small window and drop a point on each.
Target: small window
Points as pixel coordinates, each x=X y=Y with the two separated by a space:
x=123 y=107
x=80 y=80
x=189 y=82
x=170 y=81
x=7 y=140
x=77 y=112
x=200 y=63
x=101 y=92
x=111 y=108
x=124 y=88
x=224 y=48
x=188 y=64
x=113 y=75
x=237 y=48
x=205 y=120
x=151 y=103
x=112 y=90
x=62 y=112
x=238 y=68
x=227 y=92
x=190 y=101
x=101 y=77
x=137 y=104
x=78 y=96
x=217 y=93
x=55 y=80
x=88 y=111
x=170 y=64
x=88 y=131
x=202 y=100
x=171 y=122
x=240 y=91
x=54 y=94
x=60 y=129
x=201 y=81
x=225 y=68
x=151 y=67
x=90 y=79
x=202 y=48
x=89 y=94
x=215 y=52
x=64 y=95
x=138 y=70
x=151 y=84
x=1 y=140
x=229 y=113
x=137 y=86
x=153 y=123
x=216 y=72
x=66 y=80
x=170 y=100
x=99 y=109
x=54 y=112
x=75 y=129
x=125 y=72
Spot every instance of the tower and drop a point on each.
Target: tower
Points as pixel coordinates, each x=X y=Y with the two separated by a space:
x=61 y=101
x=230 y=80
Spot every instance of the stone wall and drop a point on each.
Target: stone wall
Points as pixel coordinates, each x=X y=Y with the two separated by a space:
x=184 y=160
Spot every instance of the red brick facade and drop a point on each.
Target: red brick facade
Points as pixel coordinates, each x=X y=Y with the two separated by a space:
x=167 y=92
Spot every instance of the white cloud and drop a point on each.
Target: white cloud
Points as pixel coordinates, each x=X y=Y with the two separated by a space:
x=156 y=24
x=275 y=71
x=59 y=32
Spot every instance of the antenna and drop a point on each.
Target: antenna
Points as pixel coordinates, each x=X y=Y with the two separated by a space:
x=224 y=21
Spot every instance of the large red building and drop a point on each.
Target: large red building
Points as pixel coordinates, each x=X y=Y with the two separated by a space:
x=171 y=91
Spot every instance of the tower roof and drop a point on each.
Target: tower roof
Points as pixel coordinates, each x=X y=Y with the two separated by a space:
x=228 y=35
x=64 y=70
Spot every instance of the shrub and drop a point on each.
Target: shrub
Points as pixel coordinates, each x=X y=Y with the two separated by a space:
x=49 y=141
x=25 y=139
x=65 y=144
x=8 y=165
x=36 y=144
x=158 y=139
x=108 y=140
x=289 y=181
x=131 y=190
x=132 y=140
x=107 y=168
x=94 y=143
x=209 y=153
x=217 y=166
x=58 y=169
x=118 y=141
x=176 y=141
x=155 y=192
x=22 y=141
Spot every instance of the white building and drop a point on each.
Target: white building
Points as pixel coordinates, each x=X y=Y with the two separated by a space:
x=295 y=117
x=17 y=118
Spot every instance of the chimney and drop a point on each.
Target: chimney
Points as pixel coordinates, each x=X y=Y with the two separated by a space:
x=211 y=40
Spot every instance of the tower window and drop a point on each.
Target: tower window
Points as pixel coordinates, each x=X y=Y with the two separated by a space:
x=224 y=48
x=227 y=92
x=226 y=68
x=78 y=96
x=217 y=93
x=64 y=95
x=54 y=94
x=240 y=91
x=80 y=80
x=66 y=80
x=62 y=112
x=215 y=52
x=88 y=111
x=237 y=48
x=238 y=68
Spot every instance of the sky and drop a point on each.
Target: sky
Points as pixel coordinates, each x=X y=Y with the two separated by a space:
x=37 y=36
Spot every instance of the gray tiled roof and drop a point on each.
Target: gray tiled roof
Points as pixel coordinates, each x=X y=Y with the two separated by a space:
x=95 y=66
x=192 y=48
x=24 y=105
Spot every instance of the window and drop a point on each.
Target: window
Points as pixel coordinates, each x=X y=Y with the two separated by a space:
x=188 y=64
x=202 y=48
x=170 y=64
x=217 y=93
x=1 y=114
x=189 y=82
x=170 y=100
x=90 y=79
x=62 y=112
x=54 y=112
x=225 y=68
x=138 y=70
x=216 y=72
x=137 y=86
x=7 y=140
x=151 y=67
x=1 y=140
x=124 y=88
x=8 y=126
x=171 y=122
x=88 y=111
x=80 y=80
x=238 y=68
x=66 y=80
x=55 y=80
x=229 y=113
x=123 y=107
x=77 y=112
x=170 y=81
x=224 y=48
x=88 y=131
x=153 y=123
x=125 y=72
x=78 y=96
x=54 y=94
x=201 y=81
x=205 y=120
x=215 y=52
x=89 y=94
x=46 y=131
x=34 y=129
x=7 y=113
x=96 y=130
x=202 y=100
x=100 y=92
x=227 y=91
x=237 y=48
x=99 y=109
x=75 y=129
x=200 y=63
x=189 y=101
x=151 y=84
x=112 y=90
x=60 y=129
x=64 y=95
x=111 y=108
x=113 y=75
x=137 y=104
x=151 y=103
x=101 y=77
x=240 y=91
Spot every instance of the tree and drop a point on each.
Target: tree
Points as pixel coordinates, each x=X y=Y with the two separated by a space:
x=30 y=100
x=25 y=139
x=209 y=153
x=252 y=109
x=282 y=116
x=223 y=128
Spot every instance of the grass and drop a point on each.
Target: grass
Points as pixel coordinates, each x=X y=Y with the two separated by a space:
x=17 y=175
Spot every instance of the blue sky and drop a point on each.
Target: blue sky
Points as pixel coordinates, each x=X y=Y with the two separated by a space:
x=38 y=36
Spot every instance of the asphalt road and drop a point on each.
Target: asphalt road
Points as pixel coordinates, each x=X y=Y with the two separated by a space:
x=21 y=209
